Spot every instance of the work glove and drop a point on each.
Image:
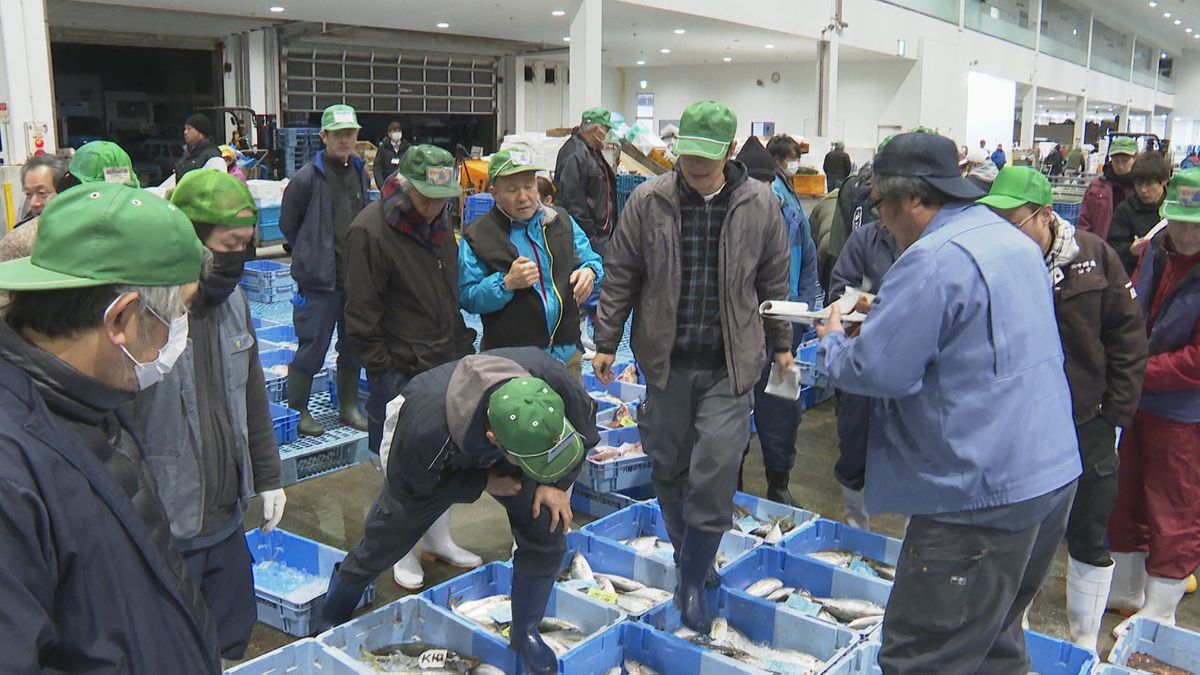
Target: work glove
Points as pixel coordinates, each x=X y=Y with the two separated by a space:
x=273 y=501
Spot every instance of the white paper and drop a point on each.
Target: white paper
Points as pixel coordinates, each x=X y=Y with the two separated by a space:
x=798 y=312
x=785 y=386
x=1156 y=229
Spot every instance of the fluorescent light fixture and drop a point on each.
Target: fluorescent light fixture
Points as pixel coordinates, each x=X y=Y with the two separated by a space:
x=680 y=31
x=1163 y=55
x=1167 y=15
x=994 y=12
x=640 y=62
x=664 y=50
x=566 y=38
x=769 y=46
x=1178 y=21
x=1196 y=35
x=559 y=12
x=1074 y=31
x=727 y=59
x=1178 y=119
x=1188 y=31
x=901 y=47
x=643 y=84
x=277 y=8
x=443 y=24
x=1153 y=3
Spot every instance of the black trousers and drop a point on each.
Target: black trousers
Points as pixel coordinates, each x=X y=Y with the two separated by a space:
x=384 y=387
x=960 y=593
x=396 y=523
x=1087 y=526
x=853 y=415
x=226 y=579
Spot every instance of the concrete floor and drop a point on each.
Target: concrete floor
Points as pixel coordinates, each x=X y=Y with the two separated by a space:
x=331 y=509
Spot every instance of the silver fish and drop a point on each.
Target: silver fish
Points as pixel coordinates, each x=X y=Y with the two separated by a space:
x=580 y=569
x=643 y=544
x=419 y=657
x=621 y=583
x=833 y=557
x=553 y=624
x=616 y=670
x=764 y=587
x=605 y=585
x=781 y=594
x=727 y=640
x=865 y=622
x=775 y=535
x=849 y=609
x=634 y=668
x=631 y=604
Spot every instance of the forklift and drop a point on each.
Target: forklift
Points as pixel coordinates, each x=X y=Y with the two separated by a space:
x=258 y=147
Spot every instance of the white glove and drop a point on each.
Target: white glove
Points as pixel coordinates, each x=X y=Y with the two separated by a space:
x=273 y=501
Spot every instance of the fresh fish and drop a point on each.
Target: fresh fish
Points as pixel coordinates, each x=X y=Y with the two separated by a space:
x=632 y=604
x=781 y=594
x=605 y=585
x=884 y=570
x=836 y=557
x=553 y=624
x=580 y=569
x=865 y=622
x=764 y=587
x=621 y=584
x=419 y=657
x=629 y=375
x=775 y=535
x=644 y=544
x=475 y=606
x=730 y=642
x=614 y=671
x=1144 y=662
x=849 y=609
x=843 y=558
x=634 y=668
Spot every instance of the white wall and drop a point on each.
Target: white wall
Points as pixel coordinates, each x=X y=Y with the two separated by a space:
x=612 y=91
x=990 y=102
x=1186 y=74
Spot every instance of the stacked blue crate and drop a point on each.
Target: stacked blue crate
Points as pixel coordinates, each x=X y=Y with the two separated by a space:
x=1177 y=646
x=645 y=519
x=626 y=183
x=267 y=281
x=476 y=205
x=296 y=146
x=302 y=656
x=637 y=642
x=823 y=535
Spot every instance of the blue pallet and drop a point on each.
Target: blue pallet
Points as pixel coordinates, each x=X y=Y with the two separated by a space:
x=761 y=625
x=655 y=649
x=294 y=614
x=1177 y=646
x=1051 y=656
x=605 y=557
x=301 y=656
x=825 y=534
x=414 y=619
x=599 y=504
x=646 y=519
x=801 y=573
x=477 y=205
x=624 y=391
x=285 y=421
x=618 y=474
x=496 y=578
x=765 y=509
x=338 y=448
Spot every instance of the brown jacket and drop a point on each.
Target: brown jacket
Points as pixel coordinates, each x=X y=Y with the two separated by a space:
x=1103 y=333
x=641 y=274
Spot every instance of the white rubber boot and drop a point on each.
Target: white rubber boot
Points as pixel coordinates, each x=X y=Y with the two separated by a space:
x=585 y=338
x=1087 y=593
x=438 y=544
x=1162 y=597
x=1128 y=591
x=856 y=513
x=408 y=573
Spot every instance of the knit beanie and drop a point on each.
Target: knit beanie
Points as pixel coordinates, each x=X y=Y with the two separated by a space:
x=201 y=123
x=758 y=161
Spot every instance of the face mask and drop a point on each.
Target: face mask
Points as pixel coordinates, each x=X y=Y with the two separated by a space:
x=218 y=284
x=397 y=136
x=792 y=167
x=151 y=373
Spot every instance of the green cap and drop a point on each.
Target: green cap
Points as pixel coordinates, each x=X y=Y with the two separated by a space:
x=530 y=423
x=215 y=197
x=1016 y=186
x=1183 y=197
x=597 y=116
x=107 y=233
x=103 y=161
x=338 y=117
x=706 y=130
x=510 y=161
x=430 y=169
x=1123 y=145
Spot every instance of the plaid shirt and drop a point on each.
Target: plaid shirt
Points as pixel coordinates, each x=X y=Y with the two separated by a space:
x=698 y=337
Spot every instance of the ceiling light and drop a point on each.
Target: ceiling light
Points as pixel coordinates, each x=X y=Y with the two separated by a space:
x=566 y=38
x=1153 y=3
x=1188 y=31
x=680 y=31
x=643 y=84
x=769 y=46
x=1167 y=14
x=1074 y=31
x=641 y=62
x=1163 y=55
x=664 y=51
x=1178 y=21
x=1196 y=35
x=443 y=24
x=1178 y=119
x=277 y=8
x=558 y=12
x=727 y=59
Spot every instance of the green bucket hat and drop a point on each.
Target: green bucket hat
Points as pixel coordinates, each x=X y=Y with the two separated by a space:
x=706 y=130
x=103 y=161
x=430 y=169
x=215 y=197
x=1183 y=197
x=1016 y=186
x=338 y=117
x=510 y=161
x=107 y=233
x=1123 y=145
x=597 y=115
x=530 y=423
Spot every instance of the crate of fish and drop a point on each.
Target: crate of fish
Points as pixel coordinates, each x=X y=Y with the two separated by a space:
x=637 y=649
x=641 y=529
x=803 y=587
x=1156 y=648
x=599 y=504
x=275 y=362
x=614 y=575
x=411 y=635
x=284 y=420
x=617 y=392
x=617 y=463
x=839 y=545
x=338 y=448
x=619 y=416
x=301 y=656
x=628 y=372
x=291 y=575
x=1051 y=656
x=760 y=639
x=770 y=521
x=862 y=659
x=482 y=597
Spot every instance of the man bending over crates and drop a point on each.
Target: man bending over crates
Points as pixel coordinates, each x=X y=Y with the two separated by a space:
x=206 y=427
x=511 y=422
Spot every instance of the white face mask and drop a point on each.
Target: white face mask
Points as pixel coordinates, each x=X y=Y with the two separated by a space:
x=397 y=136
x=792 y=167
x=150 y=373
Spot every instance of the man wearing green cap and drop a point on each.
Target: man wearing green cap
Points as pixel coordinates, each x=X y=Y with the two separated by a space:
x=207 y=430
x=1104 y=344
x=698 y=251
x=587 y=186
x=526 y=267
x=511 y=422
x=1155 y=527
x=318 y=206
x=91 y=578
x=1113 y=186
x=402 y=315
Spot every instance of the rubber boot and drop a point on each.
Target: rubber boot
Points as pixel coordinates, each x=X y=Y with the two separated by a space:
x=585 y=338
x=299 y=389
x=856 y=509
x=777 y=487
x=1087 y=592
x=1128 y=591
x=1162 y=597
x=438 y=544
x=695 y=561
x=340 y=601
x=347 y=391
x=407 y=573
x=529 y=597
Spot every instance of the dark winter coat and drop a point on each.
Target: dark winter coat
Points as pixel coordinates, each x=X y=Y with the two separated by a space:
x=1132 y=219
x=306 y=220
x=587 y=188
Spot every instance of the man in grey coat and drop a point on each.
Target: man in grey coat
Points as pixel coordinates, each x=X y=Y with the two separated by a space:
x=697 y=252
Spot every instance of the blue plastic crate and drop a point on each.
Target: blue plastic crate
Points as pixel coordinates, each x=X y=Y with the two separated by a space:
x=618 y=474
x=599 y=504
x=269 y=215
x=605 y=557
x=267 y=273
x=338 y=448
x=301 y=656
x=1110 y=669
x=277 y=334
x=496 y=578
x=477 y=205
x=646 y=519
x=269 y=232
x=364 y=386
x=862 y=659
x=624 y=391
x=1068 y=210
x=627 y=182
x=260 y=323
x=1177 y=646
x=268 y=295
x=618 y=436
x=293 y=613
x=414 y=619
x=604 y=416
x=1051 y=656
x=663 y=652
x=620 y=366
x=803 y=573
x=806 y=361
x=764 y=509
x=285 y=420
x=825 y=534
x=762 y=625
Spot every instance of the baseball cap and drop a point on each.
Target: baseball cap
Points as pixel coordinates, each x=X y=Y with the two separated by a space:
x=338 y=117
x=215 y=197
x=1123 y=145
x=931 y=157
x=103 y=161
x=1183 y=197
x=1016 y=186
x=107 y=233
x=430 y=169
x=597 y=116
x=510 y=161
x=706 y=130
x=530 y=423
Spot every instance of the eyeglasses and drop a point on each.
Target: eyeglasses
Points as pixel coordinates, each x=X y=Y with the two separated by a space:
x=1024 y=220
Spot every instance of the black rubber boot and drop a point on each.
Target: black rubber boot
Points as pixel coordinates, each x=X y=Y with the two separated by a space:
x=777 y=487
x=299 y=389
x=339 y=604
x=347 y=391
x=695 y=562
x=529 y=597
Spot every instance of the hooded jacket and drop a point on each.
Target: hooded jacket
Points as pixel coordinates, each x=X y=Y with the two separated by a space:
x=1099 y=200
x=306 y=220
x=587 y=188
x=1131 y=220
x=1172 y=384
